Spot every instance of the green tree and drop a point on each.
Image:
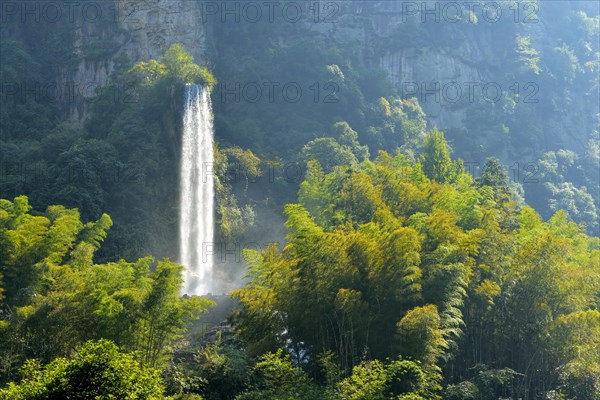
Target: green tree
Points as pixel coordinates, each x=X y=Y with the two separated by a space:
x=421 y=336
x=277 y=378
x=495 y=176
x=435 y=158
x=575 y=340
x=527 y=55
x=98 y=371
x=175 y=64
x=397 y=379
x=329 y=153
x=57 y=298
x=346 y=136
x=164 y=314
x=396 y=123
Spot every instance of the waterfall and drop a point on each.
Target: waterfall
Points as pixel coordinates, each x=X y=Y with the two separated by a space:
x=196 y=224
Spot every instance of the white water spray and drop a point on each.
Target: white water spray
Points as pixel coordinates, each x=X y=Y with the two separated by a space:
x=196 y=208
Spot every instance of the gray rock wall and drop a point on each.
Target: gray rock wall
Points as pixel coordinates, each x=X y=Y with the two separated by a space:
x=142 y=29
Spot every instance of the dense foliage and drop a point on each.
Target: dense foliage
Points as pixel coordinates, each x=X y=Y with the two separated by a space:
x=55 y=298
x=545 y=58
x=417 y=260
x=399 y=278
x=98 y=371
x=402 y=272
x=115 y=150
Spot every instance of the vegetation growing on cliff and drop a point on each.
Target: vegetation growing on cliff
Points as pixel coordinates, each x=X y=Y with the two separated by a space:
x=405 y=273
x=176 y=65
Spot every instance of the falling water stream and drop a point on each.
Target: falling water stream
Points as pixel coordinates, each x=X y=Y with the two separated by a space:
x=196 y=214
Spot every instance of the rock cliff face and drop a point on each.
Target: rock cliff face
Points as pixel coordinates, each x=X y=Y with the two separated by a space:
x=387 y=33
x=141 y=29
x=452 y=60
x=154 y=25
x=436 y=77
x=445 y=61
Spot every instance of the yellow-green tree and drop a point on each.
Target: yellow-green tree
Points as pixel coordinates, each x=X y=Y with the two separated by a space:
x=176 y=64
x=57 y=298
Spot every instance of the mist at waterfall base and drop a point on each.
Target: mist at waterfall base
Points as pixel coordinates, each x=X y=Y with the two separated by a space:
x=197 y=193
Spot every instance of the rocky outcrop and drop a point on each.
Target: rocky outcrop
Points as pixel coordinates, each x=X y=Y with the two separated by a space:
x=453 y=60
x=141 y=29
x=441 y=63
x=152 y=26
